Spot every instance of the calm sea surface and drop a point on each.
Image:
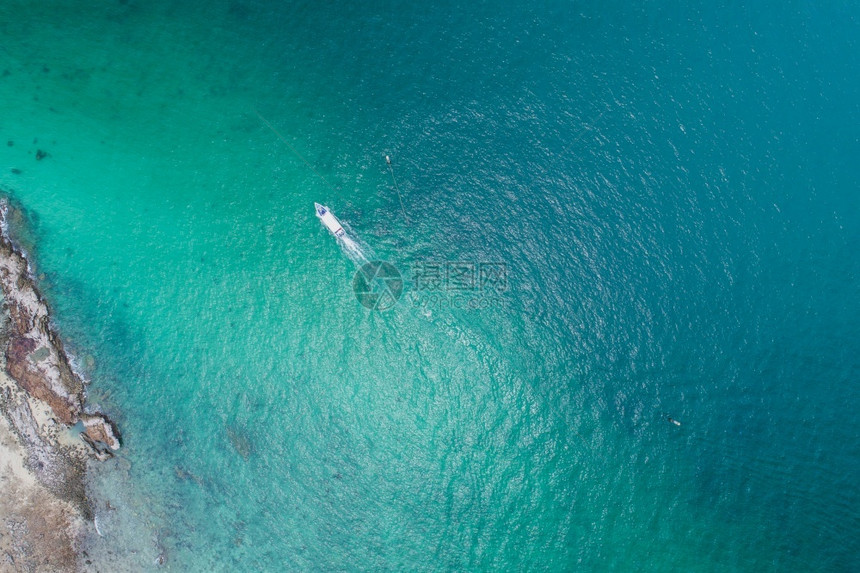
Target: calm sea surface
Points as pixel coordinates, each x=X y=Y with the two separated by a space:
x=663 y=198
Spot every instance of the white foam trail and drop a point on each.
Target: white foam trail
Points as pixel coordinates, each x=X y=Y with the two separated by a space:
x=354 y=250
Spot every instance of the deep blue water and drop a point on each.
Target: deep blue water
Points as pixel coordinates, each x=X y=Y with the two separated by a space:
x=673 y=189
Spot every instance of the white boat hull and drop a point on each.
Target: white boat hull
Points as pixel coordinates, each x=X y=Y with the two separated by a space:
x=329 y=220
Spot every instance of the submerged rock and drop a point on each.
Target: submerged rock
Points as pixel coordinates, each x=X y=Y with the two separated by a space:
x=100 y=452
x=240 y=441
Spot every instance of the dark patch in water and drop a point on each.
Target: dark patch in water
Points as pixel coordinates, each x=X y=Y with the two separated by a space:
x=240 y=441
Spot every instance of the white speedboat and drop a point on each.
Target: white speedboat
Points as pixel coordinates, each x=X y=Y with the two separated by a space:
x=329 y=220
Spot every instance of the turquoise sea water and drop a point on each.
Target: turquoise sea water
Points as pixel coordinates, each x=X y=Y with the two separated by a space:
x=674 y=190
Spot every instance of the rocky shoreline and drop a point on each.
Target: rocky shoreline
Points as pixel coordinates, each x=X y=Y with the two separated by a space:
x=47 y=434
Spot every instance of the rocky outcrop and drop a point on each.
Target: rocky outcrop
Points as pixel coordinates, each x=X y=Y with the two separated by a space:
x=100 y=429
x=44 y=504
x=35 y=357
x=58 y=466
x=47 y=511
x=34 y=354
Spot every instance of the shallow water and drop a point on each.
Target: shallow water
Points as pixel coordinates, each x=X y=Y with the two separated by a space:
x=672 y=193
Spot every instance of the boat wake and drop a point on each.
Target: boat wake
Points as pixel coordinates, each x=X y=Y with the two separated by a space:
x=353 y=249
x=359 y=253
